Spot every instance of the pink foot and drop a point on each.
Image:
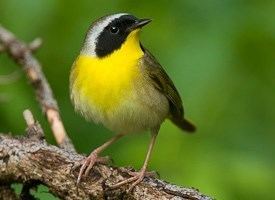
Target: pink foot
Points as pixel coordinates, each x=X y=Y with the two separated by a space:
x=88 y=163
x=136 y=178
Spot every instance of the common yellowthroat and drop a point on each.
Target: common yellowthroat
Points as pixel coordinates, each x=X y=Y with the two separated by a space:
x=117 y=82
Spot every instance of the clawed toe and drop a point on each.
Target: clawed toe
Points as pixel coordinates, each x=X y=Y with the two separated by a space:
x=104 y=160
x=136 y=178
x=87 y=164
x=139 y=178
x=151 y=174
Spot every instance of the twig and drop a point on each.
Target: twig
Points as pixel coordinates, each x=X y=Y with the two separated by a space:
x=28 y=118
x=35 y=44
x=24 y=160
x=21 y=53
x=34 y=130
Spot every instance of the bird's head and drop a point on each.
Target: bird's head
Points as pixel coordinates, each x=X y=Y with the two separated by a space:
x=108 y=34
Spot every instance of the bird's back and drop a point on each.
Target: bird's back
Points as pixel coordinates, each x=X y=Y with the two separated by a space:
x=164 y=85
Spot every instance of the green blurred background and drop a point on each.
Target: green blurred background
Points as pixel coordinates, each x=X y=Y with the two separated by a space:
x=220 y=55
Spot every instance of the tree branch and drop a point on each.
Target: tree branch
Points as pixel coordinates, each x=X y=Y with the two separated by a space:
x=22 y=54
x=31 y=160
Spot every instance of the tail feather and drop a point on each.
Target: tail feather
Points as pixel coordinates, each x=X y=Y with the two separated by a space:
x=184 y=124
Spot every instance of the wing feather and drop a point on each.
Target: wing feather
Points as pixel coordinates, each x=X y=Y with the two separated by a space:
x=164 y=84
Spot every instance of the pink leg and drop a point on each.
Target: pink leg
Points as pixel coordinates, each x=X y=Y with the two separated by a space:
x=93 y=157
x=138 y=176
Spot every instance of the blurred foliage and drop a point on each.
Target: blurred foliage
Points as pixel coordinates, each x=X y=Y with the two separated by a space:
x=221 y=56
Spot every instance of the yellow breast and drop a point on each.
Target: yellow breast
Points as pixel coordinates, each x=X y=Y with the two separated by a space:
x=105 y=82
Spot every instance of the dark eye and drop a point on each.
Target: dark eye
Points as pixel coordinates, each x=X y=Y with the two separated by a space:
x=114 y=29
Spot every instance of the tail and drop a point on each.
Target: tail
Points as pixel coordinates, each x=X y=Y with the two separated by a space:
x=184 y=124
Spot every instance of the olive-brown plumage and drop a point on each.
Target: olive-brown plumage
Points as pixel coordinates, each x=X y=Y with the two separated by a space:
x=165 y=86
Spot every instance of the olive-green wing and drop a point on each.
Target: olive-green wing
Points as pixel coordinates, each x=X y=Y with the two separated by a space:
x=164 y=84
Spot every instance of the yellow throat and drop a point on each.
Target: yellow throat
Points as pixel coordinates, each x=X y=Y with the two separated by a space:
x=104 y=82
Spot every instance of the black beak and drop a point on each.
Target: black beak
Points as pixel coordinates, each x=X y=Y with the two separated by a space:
x=138 y=24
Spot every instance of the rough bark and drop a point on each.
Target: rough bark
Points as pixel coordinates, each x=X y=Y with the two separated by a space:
x=29 y=160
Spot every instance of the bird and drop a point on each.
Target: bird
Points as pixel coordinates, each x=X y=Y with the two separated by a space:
x=115 y=81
